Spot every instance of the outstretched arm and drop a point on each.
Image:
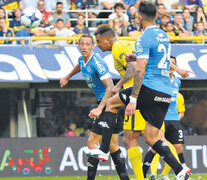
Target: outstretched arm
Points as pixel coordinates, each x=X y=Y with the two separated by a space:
x=64 y=80
x=184 y=73
x=138 y=78
x=95 y=113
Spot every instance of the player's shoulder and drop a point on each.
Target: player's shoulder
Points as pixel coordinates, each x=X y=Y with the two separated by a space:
x=180 y=96
x=178 y=81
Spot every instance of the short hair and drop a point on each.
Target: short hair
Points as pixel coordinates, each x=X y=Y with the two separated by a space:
x=58 y=3
x=148 y=10
x=86 y=36
x=173 y=57
x=119 y=5
x=105 y=30
x=59 y=20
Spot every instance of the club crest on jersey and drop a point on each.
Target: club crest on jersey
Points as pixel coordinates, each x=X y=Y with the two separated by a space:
x=89 y=68
x=101 y=69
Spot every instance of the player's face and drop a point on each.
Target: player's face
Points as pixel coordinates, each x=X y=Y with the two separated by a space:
x=86 y=46
x=102 y=43
x=172 y=61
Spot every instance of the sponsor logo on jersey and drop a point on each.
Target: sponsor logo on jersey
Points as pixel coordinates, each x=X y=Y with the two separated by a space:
x=162 y=99
x=124 y=96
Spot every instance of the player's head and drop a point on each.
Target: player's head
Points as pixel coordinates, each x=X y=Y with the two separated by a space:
x=172 y=61
x=147 y=12
x=86 y=46
x=105 y=37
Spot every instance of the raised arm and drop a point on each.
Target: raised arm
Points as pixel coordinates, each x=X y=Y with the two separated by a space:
x=64 y=80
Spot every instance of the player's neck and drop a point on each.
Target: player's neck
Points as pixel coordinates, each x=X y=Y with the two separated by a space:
x=87 y=58
x=147 y=24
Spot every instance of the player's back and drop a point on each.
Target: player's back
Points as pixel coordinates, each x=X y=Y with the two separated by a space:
x=94 y=71
x=119 y=51
x=154 y=45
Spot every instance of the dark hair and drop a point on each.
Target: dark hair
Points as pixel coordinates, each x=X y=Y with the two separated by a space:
x=60 y=20
x=147 y=10
x=119 y=5
x=131 y=6
x=86 y=36
x=105 y=31
x=186 y=9
x=173 y=57
x=59 y=3
x=169 y=23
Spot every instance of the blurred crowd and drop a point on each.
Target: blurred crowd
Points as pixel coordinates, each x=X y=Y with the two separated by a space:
x=177 y=17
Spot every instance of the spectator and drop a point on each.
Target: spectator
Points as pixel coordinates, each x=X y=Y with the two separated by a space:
x=160 y=11
x=192 y=4
x=134 y=29
x=28 y=3
x=106 y=5
x=60 y=30
x=11 y=7
x=5 y=32
x=119 y=8
x=179 y=29
x=72 y=130
x=164 y=20
x=50 y=4
x=15 y=23
x=118 y=27
x=188 y=20
x=86 y=4
x=3 y=16
x=169 y=5
x=200 y=31
x=41 y=7
x=59 y=14
x=25 y=32
x=44 y=29
x=80 y=27
x=170 y=29
x=200 y=16
x=128 y=3
x=131 y=12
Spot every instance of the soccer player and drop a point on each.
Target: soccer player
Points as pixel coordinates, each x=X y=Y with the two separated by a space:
x=173 y=128
x=151 y=92
x=133 y=125
x=96 y=74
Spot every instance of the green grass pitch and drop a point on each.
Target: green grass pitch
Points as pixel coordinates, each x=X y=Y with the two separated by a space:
x=99 y=177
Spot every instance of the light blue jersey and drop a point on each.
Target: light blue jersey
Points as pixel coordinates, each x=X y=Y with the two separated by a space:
x=172 y=113
x=154 y=45
x=94 y=71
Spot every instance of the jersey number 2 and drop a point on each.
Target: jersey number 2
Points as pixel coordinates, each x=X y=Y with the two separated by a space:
x=163 y=62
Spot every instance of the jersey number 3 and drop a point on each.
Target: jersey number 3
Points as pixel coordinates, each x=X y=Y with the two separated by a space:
x=163 y=62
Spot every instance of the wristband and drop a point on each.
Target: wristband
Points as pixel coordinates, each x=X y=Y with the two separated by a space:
x=133 y=99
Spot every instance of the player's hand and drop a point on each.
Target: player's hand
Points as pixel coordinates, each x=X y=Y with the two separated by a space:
x=115 y=90
x=184 y=73
x=130 y=57
x=95 y=113
x=130 y=109
x=63 y=82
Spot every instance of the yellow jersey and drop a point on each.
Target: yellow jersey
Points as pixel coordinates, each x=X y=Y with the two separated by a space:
x=119 y=50
x=180 y=103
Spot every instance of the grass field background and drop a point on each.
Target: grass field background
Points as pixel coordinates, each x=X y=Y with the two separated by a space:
x=99 y=177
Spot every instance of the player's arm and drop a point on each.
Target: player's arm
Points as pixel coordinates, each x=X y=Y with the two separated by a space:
x=181 y=115
x=184 y=73
x=130 y=68
x=64 y=80
x=95 y=113
x=138 y=78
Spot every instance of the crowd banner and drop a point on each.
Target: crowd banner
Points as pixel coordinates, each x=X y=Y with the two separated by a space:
x=41 y=64
x=63 y=156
